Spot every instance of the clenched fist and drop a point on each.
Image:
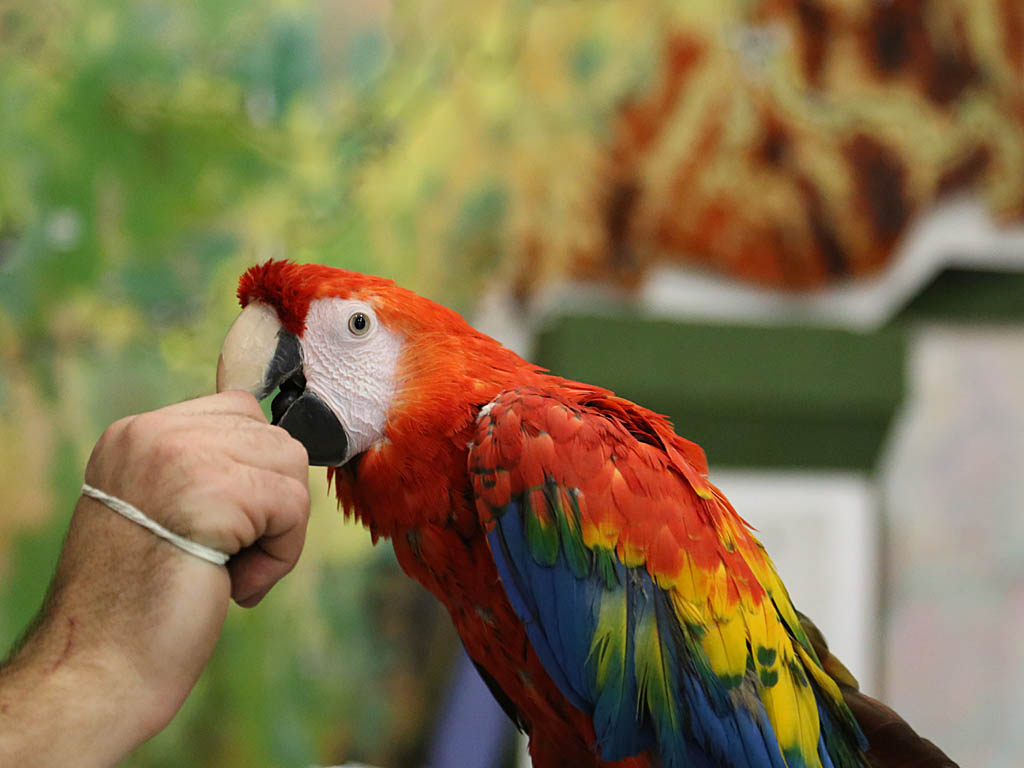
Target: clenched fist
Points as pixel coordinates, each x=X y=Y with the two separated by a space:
x=131 y=620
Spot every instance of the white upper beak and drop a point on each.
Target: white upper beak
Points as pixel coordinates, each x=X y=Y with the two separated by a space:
x=247 y=351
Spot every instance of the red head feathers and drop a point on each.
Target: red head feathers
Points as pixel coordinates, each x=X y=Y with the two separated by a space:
x=290 y=289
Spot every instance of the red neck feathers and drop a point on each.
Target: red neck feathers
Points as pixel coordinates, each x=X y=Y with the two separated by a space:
x=447 y=372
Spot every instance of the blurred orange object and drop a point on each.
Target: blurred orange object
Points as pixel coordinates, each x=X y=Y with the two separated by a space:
x=793 y=145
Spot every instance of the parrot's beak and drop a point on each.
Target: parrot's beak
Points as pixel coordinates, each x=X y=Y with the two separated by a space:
x=258 y=356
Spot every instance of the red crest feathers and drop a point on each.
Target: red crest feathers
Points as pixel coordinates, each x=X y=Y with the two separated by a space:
x=289 y=288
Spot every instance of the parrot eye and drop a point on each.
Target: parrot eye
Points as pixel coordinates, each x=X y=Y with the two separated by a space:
x=359 y=324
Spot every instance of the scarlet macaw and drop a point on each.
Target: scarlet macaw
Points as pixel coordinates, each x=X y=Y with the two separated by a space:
x=616 y=605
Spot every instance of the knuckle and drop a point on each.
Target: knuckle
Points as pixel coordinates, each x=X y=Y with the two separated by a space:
x=126 y=441
x=293 y=451
x=280 y=433
x=297 y=453
x=170 y=449
x=294 y=498
x=301 y=495
x=118 y=433
x=140 y=430
x=112 y=436
x=120 y=426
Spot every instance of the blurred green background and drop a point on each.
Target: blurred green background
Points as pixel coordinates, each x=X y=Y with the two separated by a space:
x=149 y=152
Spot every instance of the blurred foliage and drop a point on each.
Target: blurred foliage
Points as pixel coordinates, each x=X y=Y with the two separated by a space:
x=149 y=152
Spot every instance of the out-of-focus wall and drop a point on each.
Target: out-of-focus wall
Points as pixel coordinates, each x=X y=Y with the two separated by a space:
x=954 y=498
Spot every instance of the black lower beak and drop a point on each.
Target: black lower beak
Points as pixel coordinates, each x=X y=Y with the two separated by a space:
x=291 y=390
x=308 y=419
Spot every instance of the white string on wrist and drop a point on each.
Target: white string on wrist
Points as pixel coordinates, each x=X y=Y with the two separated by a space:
x=209 y=554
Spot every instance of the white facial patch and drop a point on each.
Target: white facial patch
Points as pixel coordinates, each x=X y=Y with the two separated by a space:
x=350 y=364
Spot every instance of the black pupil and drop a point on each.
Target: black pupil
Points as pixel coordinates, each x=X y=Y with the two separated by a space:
x=359 y=322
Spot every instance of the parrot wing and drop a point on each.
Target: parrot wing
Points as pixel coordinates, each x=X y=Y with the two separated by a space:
x=647 y=599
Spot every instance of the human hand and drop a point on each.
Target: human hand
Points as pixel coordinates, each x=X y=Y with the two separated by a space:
x=131 y=620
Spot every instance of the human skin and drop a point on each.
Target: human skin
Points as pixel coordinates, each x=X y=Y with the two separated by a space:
x=131 y=620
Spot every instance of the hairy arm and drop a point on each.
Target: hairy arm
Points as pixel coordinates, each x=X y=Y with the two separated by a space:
x=130 y=620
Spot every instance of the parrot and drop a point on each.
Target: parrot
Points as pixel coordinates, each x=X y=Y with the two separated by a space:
x=618 y=608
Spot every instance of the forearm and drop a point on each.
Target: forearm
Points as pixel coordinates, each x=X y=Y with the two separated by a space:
x=58 y=708
x=131 y=619
x=75 y=694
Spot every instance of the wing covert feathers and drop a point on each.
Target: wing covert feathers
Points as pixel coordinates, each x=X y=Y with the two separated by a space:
x=645 y=595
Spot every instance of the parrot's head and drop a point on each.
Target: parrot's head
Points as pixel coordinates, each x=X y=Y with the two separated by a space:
x=352 y=355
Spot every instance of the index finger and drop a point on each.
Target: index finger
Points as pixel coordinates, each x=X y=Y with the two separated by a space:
x=231 y=401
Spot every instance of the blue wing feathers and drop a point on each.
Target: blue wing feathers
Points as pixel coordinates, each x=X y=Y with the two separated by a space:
x=692 y=720
x=531 y=601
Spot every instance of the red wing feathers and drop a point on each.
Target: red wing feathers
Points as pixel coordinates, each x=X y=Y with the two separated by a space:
x=639 y=502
